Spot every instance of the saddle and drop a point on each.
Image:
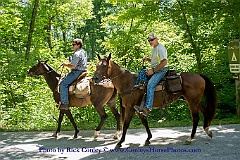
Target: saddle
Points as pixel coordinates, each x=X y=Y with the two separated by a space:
x=80 y=87
x=170 y=85
x=171 y=81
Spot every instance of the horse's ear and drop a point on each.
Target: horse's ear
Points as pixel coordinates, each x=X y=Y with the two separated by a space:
x=99 y=58
x=109 y=57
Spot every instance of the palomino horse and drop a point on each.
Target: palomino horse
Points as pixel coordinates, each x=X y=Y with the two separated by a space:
x=194 y=87
x=100 y=95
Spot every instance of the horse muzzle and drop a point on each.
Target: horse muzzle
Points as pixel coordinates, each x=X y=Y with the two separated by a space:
x=31 y=74
x=96 y=80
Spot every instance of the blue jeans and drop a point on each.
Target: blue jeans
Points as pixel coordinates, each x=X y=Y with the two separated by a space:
x=152 y=83
x=73 y=75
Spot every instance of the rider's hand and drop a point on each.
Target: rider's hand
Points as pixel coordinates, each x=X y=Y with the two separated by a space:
x=146 y=59
x=149 y=72
x=64 y=64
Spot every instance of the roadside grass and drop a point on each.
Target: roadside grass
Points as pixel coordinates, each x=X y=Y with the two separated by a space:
x=111 y=124
x=45 y=118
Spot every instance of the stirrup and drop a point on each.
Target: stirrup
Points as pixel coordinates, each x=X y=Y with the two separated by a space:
x=64 y=107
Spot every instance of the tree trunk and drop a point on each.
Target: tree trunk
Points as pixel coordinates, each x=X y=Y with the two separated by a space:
x=237 y=81
x=34 y=13
x=196 y=50
x=48 y=29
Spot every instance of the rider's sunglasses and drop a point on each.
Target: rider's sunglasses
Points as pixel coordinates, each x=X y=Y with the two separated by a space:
x=74 y=44
x=150 y=40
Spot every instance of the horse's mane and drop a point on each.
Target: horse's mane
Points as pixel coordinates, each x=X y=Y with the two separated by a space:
x=53 y=70
x=106 y=59
x=126 y=71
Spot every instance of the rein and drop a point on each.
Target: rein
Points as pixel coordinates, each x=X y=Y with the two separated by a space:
x=117 y=76
x=56 y=70
x=47 y=72
x=126 y=92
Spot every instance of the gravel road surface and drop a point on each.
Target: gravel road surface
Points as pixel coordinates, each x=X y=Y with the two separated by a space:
x=166 y=144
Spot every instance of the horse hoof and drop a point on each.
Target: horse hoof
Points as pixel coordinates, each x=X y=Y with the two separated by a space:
x=55 y=135
x=187 y=142
x=118 y=146
x=210 y=134
x=116 y=136
x=76 y=134
x=96 y=134
x=147 y=143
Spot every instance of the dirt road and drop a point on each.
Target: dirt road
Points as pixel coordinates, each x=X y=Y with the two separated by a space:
x=167 y=143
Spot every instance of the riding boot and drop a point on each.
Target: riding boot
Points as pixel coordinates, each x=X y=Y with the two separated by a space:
x=64 y=107
x=142 y=110
x=145 y=112
x=138 y=109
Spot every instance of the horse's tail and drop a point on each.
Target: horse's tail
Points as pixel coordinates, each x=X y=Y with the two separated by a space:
x=210 y=97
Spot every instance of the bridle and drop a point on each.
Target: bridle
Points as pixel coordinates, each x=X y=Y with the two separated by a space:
x=124 y=93
x=42 y=72
x=108 y=73
x=46 y=72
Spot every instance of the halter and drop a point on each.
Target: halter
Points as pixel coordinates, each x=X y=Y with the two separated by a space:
x=48 y=71
x=117 y=76
x=123 y=93
x=113 y=77
x=44 y=72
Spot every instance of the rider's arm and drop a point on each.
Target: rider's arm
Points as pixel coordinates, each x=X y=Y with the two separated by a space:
x=69 y=65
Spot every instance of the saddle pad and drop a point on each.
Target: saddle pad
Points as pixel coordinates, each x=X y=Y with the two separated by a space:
x=107 y=83
x=159 y=87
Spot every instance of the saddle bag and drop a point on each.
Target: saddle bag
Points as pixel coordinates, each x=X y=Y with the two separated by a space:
x=81 y=88
x=174 y=83
x=170 y=73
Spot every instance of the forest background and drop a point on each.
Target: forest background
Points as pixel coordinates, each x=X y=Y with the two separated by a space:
x=195 y=32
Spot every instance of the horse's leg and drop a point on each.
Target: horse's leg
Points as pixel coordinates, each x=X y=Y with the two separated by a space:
x=206 y=121
x=60 y=118
x=195 y=119
x=145 y=123
x=117 y=117
x=69 y=114
x=112 y=105
x=127 y=119
x=100 y=110
x=114 y=110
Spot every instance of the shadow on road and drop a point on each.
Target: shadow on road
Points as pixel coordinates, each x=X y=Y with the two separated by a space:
x=167 y=143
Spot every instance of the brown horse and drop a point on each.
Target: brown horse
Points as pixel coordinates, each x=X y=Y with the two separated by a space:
x=194 y=87
x=101 y=94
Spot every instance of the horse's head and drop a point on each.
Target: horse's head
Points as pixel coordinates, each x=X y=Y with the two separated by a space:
x=103 y=69
x=39 y=69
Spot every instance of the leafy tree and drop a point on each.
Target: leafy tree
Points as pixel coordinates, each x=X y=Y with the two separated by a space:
x=195 y=33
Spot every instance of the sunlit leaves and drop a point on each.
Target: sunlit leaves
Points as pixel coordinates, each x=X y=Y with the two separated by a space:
x=119 y=27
